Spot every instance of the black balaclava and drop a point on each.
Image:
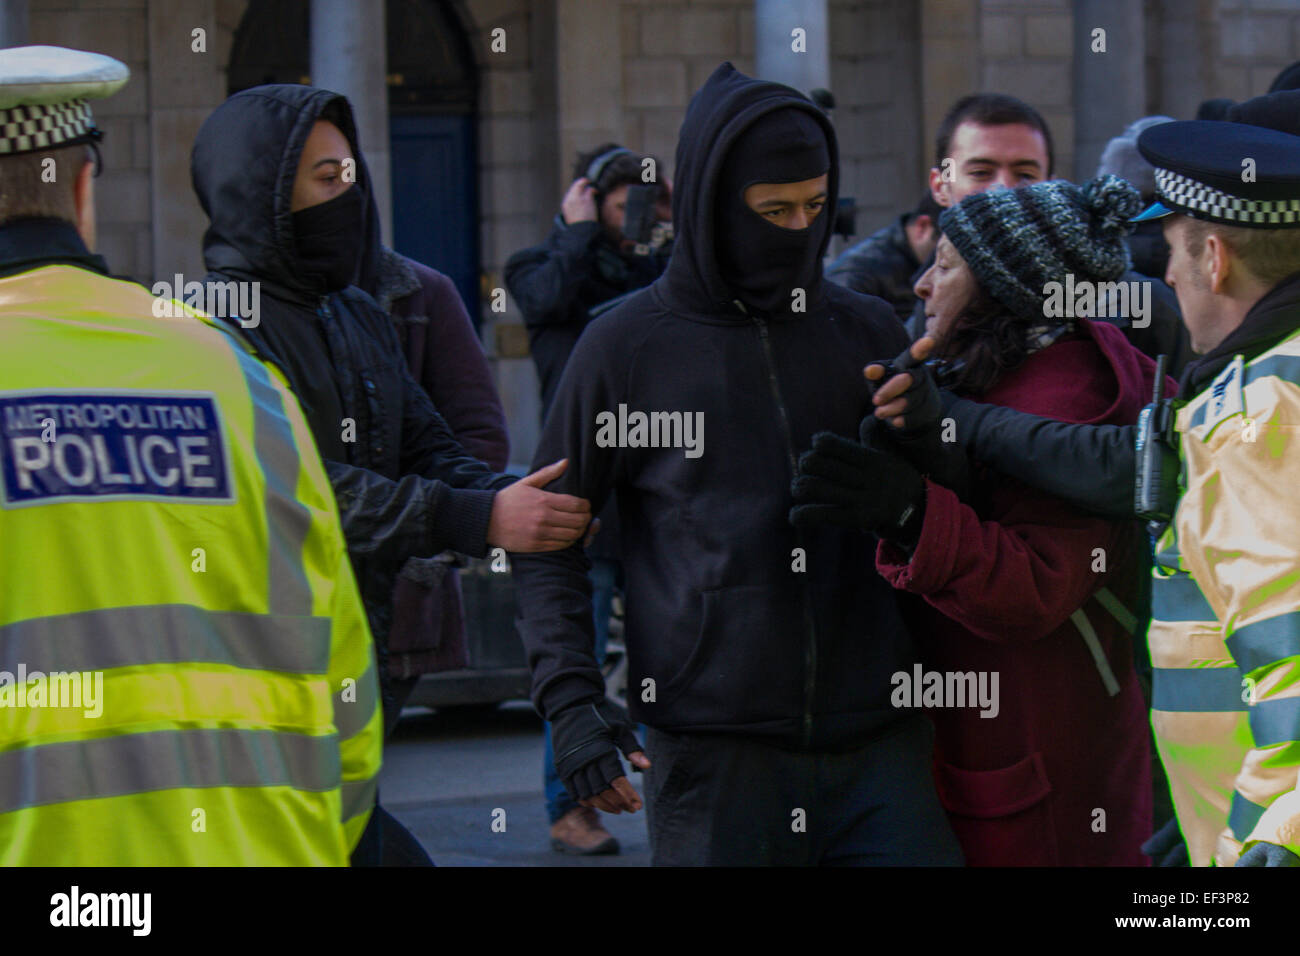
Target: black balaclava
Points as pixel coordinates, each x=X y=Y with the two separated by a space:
x=760 y=261
x=329 y=238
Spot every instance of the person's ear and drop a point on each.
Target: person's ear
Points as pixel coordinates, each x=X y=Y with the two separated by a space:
x=1217 y=263
x=939 y=187
x=83 y=202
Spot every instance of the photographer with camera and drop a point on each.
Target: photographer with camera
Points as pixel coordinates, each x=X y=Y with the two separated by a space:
x=612 y=238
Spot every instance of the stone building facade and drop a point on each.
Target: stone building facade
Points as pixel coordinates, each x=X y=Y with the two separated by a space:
x=572 y=73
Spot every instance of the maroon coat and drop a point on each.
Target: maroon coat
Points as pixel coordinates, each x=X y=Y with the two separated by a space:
x=1002 y=581
x=446 y=358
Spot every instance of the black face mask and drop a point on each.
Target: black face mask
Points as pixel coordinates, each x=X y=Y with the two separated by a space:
x=760 y=261
x=763 y=262
x=328 y=238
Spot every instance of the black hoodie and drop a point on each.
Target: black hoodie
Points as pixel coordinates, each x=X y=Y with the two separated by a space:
x=742 y=624
x=406 y=488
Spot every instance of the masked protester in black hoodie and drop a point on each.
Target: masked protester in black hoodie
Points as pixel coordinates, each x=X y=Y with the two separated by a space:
x=278 y=172
x=760 y=657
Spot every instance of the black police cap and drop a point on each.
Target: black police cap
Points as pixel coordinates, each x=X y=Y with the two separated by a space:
x=1224 y=172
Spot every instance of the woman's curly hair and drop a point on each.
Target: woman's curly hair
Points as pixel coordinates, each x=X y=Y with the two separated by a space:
x=985 y=342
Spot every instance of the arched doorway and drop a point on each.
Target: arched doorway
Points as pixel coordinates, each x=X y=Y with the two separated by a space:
x=432 y=111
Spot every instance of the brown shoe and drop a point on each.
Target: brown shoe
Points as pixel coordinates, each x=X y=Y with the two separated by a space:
x=579 y=831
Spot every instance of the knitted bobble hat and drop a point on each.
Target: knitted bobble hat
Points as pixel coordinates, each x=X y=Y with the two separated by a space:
x=1016 y=241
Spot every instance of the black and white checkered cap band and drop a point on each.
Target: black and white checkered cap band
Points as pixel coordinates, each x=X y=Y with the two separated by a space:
x=1182 y=192
x=25 y=129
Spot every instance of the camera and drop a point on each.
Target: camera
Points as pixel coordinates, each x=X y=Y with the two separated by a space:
x=639 y=222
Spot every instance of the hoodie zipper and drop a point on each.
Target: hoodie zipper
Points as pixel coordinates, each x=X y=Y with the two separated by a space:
x=810 y=634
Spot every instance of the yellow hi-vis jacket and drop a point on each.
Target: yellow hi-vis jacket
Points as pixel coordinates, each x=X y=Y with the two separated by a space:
x=1225 y=634
x=186 y=672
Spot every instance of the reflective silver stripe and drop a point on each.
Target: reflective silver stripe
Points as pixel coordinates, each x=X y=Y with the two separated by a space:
x=166 y=760
x=358 y=797
x=351 y=717
x=1094 y=647
x=287 y=519
x=166 y=634
x=1118 y=611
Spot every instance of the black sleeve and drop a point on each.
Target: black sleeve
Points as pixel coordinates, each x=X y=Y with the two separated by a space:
x=852 y=270
x=1090 y=466
x=443 y=499
x=430 y=449
x=544 y=279
x=552 y=590
x=410 y=517
x=899 y=340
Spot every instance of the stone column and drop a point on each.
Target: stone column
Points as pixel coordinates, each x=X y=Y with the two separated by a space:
x=1110 y=89
x=589 y=80
x=950 y=62
x=775 y=55
x=349 y=55
x=186 y=82
x=1185 y=45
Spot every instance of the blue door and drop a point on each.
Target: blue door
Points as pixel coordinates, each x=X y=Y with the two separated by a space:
x=435 y=197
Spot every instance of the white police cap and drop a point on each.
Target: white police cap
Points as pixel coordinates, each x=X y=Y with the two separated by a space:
x=43 y=94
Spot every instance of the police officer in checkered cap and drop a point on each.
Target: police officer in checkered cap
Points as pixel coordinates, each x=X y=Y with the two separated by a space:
x=1231 y=195
x=47 y=141
x=1224 y=587
x=44 y=92
x=135 y=448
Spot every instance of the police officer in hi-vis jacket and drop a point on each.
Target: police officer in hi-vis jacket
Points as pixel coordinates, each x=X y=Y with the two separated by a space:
x=186 y=672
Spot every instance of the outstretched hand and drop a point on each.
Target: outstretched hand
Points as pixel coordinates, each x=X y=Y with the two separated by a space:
x=909 y=398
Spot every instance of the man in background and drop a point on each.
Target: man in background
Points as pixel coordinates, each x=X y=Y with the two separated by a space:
x=887 y=262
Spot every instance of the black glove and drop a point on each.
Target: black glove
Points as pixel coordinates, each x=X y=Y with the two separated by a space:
x=1268 y=854
x=924 y=406
x=587 y=738
x=856 y=485
x=1166 y=846
x=921 y=439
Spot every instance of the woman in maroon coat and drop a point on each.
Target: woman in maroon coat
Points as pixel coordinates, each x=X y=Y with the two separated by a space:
x=1051 y=764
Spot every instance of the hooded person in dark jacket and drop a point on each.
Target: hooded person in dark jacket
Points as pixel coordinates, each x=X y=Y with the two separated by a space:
x=759 y=657
x=276 y=168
